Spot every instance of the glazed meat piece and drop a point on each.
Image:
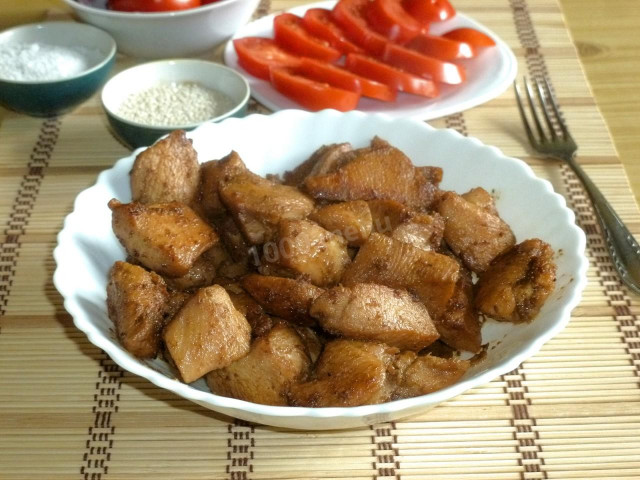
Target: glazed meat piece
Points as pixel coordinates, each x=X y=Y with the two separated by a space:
x=426 y=374
x=310 y=251
x=483 y=199
x=168 y=171
x=517 y=283
x=177 y=298
x=259 y=205
x=377 y=172
x=164 y=237
x=233 y=240
x=459 y=326
x=323 y=160
x=429 y=275
x=376 y=313
x=474 y=235
x=351 y=220
x=201 y=274
x=275 y=361
x=260 y=322
x=421 y=230
x=206 y=334
x=313 y=341
x=283 y=297
x=348 y=373
x=136 y=303
x=386 y=215
x=432 y=174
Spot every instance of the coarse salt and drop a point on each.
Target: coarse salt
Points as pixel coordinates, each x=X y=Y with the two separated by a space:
x=33 y=62
x=174 y=104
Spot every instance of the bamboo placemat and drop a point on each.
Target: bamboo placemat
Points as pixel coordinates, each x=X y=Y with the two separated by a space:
x=66 y=411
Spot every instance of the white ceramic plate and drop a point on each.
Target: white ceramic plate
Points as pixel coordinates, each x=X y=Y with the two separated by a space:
x=488 y=75
x=87 y=246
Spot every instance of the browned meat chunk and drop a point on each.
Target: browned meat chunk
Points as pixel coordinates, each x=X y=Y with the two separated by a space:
x=432 y=174
x=136 y=302
x=517 y=283
x=258 y=205
x=201 y=274
x=206 y=334
x=165 y=237
x=426 y=374
x=233 y=240
x=323 y=160
x=168 y=171
x=260 y=322
x=310 y=251
x=283 y=297
x=377 y=172
x=386 y=215
x=422 y=231
x=348 y=373
x=459 y=326
x=473 y=234
x=429 y=275
x=275 y=361
x=177 y=298
x=313 y=341
x=376 y=313
x=483 y=199
x=351 y=220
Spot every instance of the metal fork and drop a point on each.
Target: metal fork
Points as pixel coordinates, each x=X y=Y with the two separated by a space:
x=558 y=143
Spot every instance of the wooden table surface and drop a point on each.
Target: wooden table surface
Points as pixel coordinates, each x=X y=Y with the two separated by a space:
x=604 y=31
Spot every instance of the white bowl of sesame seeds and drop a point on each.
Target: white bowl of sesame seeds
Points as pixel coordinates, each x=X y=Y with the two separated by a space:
x=146 y=102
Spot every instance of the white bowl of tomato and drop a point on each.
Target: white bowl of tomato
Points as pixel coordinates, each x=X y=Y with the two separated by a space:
x=165 y=28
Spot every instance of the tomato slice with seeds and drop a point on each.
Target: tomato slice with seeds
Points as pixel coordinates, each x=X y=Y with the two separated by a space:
x=472 y=37
x=418 y=64
x=394 y=77
x=351 y=16
x=440 y=47
x=320 y=23
x=428 y=11
x=341 y=78
x=258 y=54
x=392 y=20
x=311 y=94
x=289 y=33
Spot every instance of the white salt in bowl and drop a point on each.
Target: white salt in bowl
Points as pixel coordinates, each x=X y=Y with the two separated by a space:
x=135 y=80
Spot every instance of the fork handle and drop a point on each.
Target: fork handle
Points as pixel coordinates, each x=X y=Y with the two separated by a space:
x=623 y=248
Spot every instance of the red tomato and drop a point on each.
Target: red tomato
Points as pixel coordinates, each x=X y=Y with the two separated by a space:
x=427 y=11
x=341 y=78
x=350 y=15
x=392 y=20
x=319 y=22
x=394 y=77
x=439 y=47
x=257 y=55
x=311 y=94
x=289 y=33
x=151 y=5
x=475 y=39
x=419 y=64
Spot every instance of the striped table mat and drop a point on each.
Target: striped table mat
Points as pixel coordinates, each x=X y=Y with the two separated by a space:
x=67 y=411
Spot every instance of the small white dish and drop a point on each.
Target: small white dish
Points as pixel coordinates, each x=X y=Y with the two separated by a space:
x=87 y=246
x=488 y=75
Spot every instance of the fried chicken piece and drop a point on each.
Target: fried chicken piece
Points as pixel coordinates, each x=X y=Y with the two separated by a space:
x=352 y=220
x=426 y=374
x=260 y=322
x=432 y=174
x=201 y=274
x=348 y=373
x=483 y=199
x=275 y=361
x=206 y=334
x=136 y=304
x=367 y=311
x=516 y=285
x=308 y=250
x=168 y=171
x=459 y=326
x=164 y=237
x=421 y=230
x=474 y=235
x=323 y=160
x=386 y=215
x=377 y=172
x=177 y=298
x=313 y=341
x=283 y=297
x=233 y=240
x=428 y=275
x=259 y=205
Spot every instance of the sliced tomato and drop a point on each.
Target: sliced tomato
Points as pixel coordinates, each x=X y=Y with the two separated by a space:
x=428 y=11
x=289 y=33
x=320 y=23
x=341 y=78
x=257 y=55
x=440 y=47
x=428 y=67
x=351 y=16
x=472 y=37
x=394 y=77
x=392 y=20
x=311 y=94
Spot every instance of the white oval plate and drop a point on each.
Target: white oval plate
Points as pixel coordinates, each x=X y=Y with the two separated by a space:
x=488 y=75
x=87 y=246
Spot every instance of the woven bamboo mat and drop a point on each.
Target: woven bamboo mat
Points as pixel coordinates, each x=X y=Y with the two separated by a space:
x=66 y=411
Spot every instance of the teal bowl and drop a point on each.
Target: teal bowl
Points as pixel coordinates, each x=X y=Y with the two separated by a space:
x=207 y=74
x=43 y=98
